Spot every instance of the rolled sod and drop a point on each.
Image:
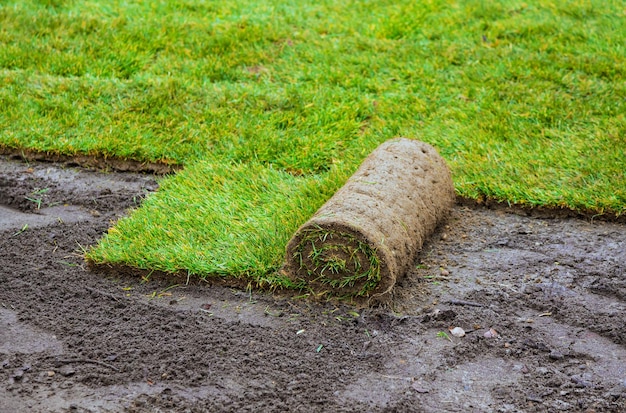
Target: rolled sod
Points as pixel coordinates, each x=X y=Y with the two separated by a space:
x=367 y=235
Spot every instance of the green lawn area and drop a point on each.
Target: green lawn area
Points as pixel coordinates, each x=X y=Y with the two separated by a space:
x=271 y=105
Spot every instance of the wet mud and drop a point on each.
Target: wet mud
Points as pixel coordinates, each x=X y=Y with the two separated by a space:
x=541 y=302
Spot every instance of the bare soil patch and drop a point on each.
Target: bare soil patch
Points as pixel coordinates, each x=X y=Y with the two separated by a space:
x=553 y=290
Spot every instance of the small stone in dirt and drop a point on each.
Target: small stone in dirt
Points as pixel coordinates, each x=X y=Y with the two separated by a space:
x=491 y=333
x=522 y=368
x=457 y=332
x=67 y=371
x=555 y=355
x=51 y=373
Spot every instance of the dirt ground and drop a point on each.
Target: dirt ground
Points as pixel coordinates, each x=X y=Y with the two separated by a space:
x=542 y=302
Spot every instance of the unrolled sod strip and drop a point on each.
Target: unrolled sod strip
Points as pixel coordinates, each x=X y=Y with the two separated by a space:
x=368 y=234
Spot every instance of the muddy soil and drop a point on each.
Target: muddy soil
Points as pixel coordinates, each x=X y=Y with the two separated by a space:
x=541 y=300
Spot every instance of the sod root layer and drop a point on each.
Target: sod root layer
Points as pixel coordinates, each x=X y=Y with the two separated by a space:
x=552 y=290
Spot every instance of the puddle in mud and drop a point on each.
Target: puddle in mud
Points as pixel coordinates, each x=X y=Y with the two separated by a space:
x=72 y=396
x=469 y=386
x=19 y=337
x=17 y=220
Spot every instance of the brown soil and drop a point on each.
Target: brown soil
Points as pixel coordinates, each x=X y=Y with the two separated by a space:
x=553 y=291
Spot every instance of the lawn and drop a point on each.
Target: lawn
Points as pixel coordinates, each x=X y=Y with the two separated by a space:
x=271 y=105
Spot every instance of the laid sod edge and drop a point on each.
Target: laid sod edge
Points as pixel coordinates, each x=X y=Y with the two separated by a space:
x=95 y=162
x=542 y=210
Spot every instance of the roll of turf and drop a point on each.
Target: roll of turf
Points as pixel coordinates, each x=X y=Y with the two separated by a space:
x=369 y=232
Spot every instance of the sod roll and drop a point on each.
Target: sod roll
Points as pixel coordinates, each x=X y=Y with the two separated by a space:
x=369 y=233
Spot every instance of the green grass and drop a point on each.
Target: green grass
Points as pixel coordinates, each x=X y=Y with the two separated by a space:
x=220 y=219
x=270 y=105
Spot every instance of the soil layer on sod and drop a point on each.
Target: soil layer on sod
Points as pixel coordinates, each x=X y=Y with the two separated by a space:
x=552 y=290
x=369 y=233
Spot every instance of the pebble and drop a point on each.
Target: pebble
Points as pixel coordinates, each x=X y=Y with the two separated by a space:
x=457 y=332
x=67 y=371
